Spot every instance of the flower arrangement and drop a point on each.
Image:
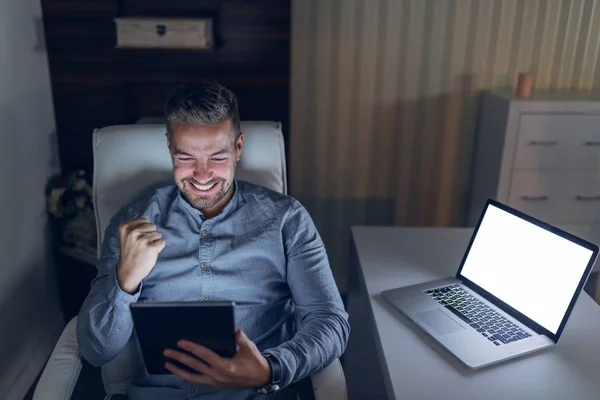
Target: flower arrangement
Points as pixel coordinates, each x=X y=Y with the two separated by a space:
x=69 y=205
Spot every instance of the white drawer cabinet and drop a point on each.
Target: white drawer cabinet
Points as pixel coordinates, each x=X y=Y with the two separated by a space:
x=562 y=141
x=542 y=156
x=557 y=196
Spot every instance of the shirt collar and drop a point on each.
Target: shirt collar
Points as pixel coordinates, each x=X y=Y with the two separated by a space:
x=228 y=209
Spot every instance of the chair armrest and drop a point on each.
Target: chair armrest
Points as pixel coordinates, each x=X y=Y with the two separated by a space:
x=62 y=369
x=330 y=384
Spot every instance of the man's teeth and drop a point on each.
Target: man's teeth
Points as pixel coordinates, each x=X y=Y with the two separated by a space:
x=203 y=187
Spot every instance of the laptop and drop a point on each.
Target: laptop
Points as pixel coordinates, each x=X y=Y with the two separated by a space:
x=513 y=292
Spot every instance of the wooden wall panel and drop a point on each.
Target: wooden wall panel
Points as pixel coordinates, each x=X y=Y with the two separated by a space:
x=95 y=84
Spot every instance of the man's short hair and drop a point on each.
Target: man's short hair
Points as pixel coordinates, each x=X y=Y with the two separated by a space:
x=203 y=103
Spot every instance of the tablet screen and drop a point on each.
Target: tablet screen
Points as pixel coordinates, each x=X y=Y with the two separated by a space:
x=159 y=326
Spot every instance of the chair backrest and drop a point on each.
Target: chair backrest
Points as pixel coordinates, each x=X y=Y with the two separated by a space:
x=131 y=159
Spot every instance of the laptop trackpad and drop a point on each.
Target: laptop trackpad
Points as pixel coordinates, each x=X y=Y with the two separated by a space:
x=437 y=320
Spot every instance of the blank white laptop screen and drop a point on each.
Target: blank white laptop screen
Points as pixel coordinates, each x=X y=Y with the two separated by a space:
x=531 y=269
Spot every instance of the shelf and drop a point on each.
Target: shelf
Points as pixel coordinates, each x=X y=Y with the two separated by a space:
x=87 y=257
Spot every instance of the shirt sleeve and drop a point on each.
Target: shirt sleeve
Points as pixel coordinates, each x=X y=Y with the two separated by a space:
x=104 y=323
x=323 y=327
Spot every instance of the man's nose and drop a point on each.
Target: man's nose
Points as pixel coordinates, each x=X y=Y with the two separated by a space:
x=202 y=173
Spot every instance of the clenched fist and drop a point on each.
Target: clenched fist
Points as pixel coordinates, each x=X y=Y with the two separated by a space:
x=140 y=245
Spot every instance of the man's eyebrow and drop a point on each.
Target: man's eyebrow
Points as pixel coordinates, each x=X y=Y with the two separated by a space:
x=182 y=153
x=218 y=153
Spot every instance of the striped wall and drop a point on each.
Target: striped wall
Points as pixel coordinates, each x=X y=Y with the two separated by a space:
x=384 y=99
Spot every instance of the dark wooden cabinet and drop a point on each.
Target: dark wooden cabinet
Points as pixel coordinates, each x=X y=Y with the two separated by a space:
x=95 y=84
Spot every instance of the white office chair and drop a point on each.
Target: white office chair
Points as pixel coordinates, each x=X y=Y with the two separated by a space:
x=129 y=160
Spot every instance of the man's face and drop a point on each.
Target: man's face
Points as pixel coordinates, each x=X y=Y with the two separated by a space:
x=204 y=160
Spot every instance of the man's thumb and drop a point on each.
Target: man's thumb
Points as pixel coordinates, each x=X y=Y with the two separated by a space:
x=240 y=338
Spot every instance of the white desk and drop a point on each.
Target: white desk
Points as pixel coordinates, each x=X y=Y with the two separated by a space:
x=388 y=357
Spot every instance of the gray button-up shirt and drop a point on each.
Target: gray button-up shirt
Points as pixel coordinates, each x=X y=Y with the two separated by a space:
x=262 y=251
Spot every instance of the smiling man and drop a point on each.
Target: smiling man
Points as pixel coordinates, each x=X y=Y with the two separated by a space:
x=211 y=237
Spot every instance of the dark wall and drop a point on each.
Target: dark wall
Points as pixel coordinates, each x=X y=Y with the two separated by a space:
x=95 y=84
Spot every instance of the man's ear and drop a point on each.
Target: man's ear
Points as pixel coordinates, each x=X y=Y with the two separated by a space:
x=239 y=144
x=168 y=141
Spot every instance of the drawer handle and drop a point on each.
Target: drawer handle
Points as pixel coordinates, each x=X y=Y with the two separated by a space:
x=591 y=143
x=534 y=198
x=543 y=142
x=587 y=198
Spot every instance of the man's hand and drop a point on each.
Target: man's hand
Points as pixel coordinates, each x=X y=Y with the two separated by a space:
x=140 y=245
x=247 y=369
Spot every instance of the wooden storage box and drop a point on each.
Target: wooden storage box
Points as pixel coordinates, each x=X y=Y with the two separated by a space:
x=164 y=33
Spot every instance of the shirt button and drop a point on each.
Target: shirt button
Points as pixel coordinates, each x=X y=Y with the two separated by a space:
x=205 y=298
x=204 y=265
x=195 y=211
x=191 y=390
x=205 y=233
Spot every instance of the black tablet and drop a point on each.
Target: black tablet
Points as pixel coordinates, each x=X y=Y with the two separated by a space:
x=160 y=325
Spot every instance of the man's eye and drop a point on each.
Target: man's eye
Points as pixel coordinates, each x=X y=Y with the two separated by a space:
x=220 y=159
x=185 y=158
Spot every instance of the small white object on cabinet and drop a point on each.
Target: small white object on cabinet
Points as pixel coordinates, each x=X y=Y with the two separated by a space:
x=541 y=155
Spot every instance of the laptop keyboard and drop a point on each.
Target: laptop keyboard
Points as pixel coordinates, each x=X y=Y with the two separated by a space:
x=478 y=315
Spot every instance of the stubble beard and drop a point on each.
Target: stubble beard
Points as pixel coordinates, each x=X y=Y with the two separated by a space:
x=204 y=202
